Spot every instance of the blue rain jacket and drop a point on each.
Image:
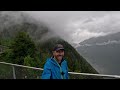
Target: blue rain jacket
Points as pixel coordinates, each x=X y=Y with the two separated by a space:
x=52 y=70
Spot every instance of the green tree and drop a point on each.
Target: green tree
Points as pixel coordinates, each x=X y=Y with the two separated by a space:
x=7 y=56
x=23 y=46
x=28 y=61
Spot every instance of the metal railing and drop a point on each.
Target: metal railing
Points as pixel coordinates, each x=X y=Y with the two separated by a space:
x=15 y=71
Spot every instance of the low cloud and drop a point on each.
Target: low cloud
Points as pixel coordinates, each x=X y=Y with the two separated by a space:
x=93 y=27
x=78 y=26
x=104 y=43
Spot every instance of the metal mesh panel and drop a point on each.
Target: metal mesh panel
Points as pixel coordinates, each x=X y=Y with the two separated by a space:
x=6 y=72
x=14 y=71
x=27 y=73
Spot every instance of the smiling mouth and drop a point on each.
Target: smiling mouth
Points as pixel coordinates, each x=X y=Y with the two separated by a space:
x=60 y=56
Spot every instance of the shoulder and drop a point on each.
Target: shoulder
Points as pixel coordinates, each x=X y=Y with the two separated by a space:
x=65 y=61
x=48 y=62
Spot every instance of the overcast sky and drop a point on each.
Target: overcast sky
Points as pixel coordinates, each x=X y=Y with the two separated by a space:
x=76 y=26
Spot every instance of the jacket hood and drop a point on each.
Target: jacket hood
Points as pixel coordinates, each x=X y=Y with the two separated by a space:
x=52 y=60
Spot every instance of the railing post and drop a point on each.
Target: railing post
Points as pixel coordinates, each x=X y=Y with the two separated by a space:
x=14 y=76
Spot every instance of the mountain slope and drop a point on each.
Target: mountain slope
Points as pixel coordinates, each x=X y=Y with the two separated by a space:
x=44 y=39
x=102 y=53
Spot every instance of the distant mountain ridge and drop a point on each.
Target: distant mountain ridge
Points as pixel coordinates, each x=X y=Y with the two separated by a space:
x=101 y=39
x=102 y=53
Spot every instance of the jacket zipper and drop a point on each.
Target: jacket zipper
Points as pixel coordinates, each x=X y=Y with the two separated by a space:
x=60 y=70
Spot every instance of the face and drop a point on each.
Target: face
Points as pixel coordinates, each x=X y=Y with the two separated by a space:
x=58 y=55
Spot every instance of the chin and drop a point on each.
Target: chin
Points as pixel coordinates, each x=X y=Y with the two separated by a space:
x=60 y=59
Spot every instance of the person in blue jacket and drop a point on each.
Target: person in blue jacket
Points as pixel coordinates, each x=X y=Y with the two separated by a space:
x=56 y=67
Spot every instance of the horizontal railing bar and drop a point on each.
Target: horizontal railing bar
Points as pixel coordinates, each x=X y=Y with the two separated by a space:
x=21 y=66
x=104 y=75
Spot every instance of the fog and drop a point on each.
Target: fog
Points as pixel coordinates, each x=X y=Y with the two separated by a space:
x=104 y=43
x=77 y=26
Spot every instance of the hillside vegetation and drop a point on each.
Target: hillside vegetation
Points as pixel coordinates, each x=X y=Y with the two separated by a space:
x=28 y=43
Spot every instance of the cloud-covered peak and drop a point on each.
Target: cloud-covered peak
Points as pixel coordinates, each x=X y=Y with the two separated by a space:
x=93 y=27
x=77 y=26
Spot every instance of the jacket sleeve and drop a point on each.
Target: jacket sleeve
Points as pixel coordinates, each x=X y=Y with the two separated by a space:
x=46 y=72
x=67 y=75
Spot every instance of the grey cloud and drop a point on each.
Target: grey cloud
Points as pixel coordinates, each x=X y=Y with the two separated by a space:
x=104 y=43
x=76 y=26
